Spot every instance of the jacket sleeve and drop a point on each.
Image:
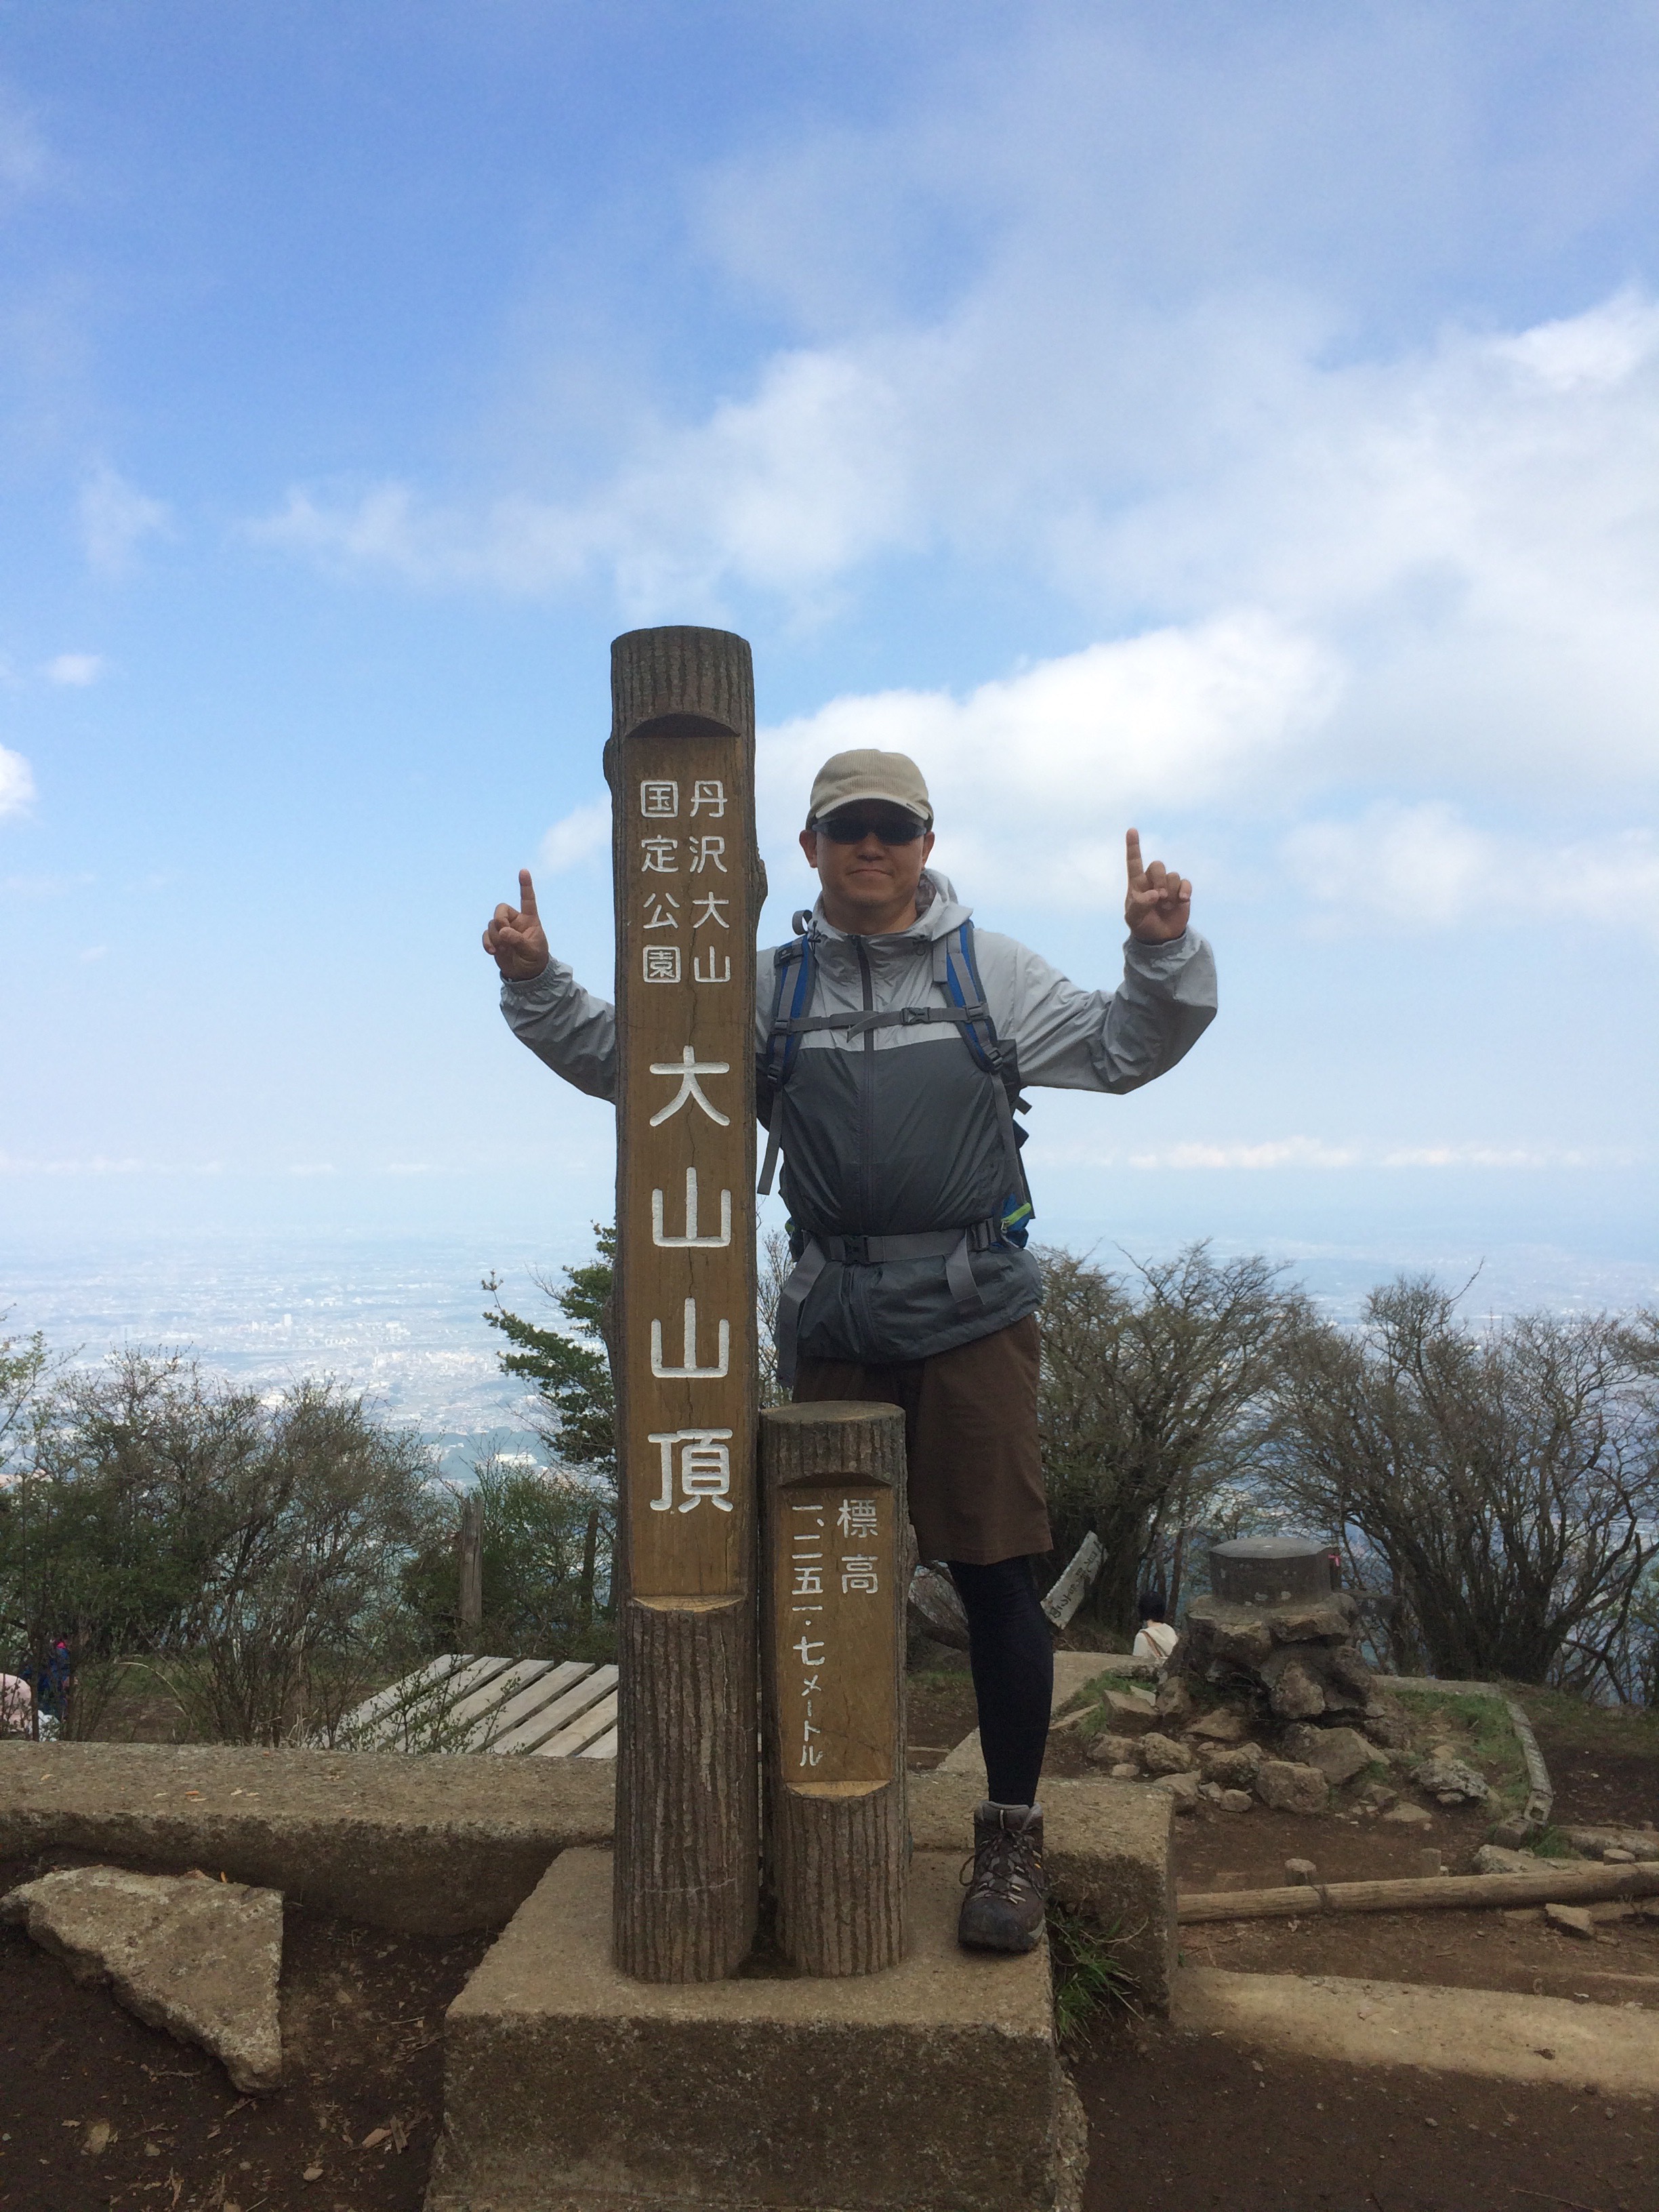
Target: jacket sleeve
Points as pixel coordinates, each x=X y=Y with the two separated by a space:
x=1075 y=1040
x=568 y=1027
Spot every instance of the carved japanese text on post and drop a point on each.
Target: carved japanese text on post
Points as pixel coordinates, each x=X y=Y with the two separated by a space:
x=833 y=1564
x=686 y=994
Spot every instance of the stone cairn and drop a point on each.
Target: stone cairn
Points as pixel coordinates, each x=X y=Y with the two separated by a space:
x=1300 y=1714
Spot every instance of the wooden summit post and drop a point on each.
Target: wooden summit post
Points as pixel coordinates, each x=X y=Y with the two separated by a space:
x=832 y=1479
x=689 y=891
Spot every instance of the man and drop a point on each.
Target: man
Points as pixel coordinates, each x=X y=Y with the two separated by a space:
x=891 y=1040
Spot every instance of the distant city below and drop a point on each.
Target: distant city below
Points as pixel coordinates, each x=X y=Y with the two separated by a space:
x=401 y=1317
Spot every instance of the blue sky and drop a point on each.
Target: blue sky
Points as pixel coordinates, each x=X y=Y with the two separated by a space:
x=1243 y=422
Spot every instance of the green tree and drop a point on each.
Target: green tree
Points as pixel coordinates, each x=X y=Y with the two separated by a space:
x=1151 y=1402
x=1506 y=1479
x=250 y=1551
x=547 y=1540
x=576 y=1416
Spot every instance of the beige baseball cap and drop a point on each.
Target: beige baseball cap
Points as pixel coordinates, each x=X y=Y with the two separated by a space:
x=845 y=778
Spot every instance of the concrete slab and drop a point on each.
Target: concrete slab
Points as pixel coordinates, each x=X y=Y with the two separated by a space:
x=437 y=1843
x=1106 y=1847
x=1485 y=2032
x=933 y=2087
x=431 y=1845
x=200 y=1959
x=1073 y=1672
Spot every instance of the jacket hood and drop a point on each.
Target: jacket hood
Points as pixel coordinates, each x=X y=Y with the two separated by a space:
x=941 y=912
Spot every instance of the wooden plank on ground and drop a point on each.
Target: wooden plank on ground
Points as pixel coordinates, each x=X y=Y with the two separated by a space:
x=432 y=1705
x=522 y=1704
x=406 y=1687
x=519 y=1676
x=606 y=1748
x=592 y=1724
x=534 y=1732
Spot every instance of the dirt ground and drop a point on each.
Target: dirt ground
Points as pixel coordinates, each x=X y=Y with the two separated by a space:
x=940 y=1704
x=1191 y=2122
x=1183 y=2122
x=1178 y=2120
x=362 y=2016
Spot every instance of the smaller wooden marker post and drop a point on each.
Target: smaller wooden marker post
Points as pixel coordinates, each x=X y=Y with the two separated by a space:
x=832 y=1484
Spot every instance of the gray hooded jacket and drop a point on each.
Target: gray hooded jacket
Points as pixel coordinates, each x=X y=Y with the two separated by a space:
x=891 y=1133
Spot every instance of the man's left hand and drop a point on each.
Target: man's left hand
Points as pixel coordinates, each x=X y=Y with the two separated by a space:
x=1159 y=900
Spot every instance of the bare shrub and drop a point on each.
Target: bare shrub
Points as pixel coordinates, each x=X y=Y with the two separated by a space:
x=1502 y=1484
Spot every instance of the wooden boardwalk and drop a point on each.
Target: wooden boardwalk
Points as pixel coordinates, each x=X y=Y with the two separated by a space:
x=547 y=1709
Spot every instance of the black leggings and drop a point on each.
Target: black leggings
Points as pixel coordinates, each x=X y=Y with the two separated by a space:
x=1011 y=1651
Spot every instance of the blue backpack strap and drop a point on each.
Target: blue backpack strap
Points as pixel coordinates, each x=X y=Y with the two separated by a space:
x=997 y=1057
x=782 y=1040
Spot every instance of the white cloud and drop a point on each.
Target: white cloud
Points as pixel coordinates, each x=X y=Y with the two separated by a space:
x=75 y=668
x=16 y=783
x=1471 y=528
x=116 y=517
x=577 y=837
x=1427 y=867
x=1175 y=719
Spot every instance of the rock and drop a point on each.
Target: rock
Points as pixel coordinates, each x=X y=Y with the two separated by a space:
x=1428 y=1862
x=1222 y=1635
x=1286 y=1787
x=1173 y=1701
x=1339 y=1753
x=1126 y=1770
x=1347 y=1680
x=1236 y=1801
x=1513 y=1832
x=1612 y=1856
x=1453 y=1781
x=1107 y=1750
x=1571 y=1920
x=1379 y=1797
x=1212 y=1790
x=1410 y=1816
x=1297 y=1693
x=1385 y=1721
x=1326 y=1622
x=1128 y=1713
x=1161 y=1755
x=198 y=1958
x=1594 y=1842
x=1234 y=1769
x=1300 y=1870
x=1184 y=1787
x=1493 y=1858
x=1226 y=1725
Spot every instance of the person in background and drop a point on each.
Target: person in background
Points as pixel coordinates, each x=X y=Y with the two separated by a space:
x=1155 y=1639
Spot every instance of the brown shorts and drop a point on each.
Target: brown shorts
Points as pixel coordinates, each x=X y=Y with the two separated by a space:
x=970 y=1436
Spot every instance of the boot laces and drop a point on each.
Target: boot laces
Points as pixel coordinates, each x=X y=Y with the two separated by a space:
x=1004 y=1862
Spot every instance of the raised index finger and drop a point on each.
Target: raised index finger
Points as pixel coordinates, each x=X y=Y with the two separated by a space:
x=1132 y=855
x=527 y=895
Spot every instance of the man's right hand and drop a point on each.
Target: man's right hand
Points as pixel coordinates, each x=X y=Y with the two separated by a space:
x=514 y=940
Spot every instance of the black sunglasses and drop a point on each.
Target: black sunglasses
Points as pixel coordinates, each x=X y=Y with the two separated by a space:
x=852 y=826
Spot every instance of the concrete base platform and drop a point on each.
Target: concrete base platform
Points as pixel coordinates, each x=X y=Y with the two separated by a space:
x=439 y=1844
x=934 y=2088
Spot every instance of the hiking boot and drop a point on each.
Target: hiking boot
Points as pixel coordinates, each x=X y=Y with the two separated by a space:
x=1007 y=1890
